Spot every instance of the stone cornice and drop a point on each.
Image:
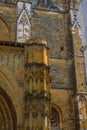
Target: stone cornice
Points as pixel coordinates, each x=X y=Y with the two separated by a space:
x=10 y=43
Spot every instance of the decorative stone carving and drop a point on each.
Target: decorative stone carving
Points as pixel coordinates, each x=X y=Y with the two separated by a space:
x=23 y=21
x=75 y=20
x=82 y=106
x=37 y=85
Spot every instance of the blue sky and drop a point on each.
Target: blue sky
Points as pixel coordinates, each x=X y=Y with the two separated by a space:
x=83 y=7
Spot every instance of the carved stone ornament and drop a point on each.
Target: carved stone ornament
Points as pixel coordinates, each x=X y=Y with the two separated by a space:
x=23 y=22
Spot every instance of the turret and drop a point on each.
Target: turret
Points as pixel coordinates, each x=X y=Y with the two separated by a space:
x=37 y=84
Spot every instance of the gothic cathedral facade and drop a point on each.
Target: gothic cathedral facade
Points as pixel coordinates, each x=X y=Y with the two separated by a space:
x=43 y=65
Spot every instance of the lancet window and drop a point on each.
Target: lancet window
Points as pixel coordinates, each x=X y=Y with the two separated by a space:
x=54 y=119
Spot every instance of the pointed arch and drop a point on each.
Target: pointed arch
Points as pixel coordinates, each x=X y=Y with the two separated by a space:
x=56 y=117
x=24 y=18
x=9 y=85
x=4 y=30
x=7 y=111
x=23 y=26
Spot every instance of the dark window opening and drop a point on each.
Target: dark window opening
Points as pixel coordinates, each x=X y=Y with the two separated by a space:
x=54 y=119
x=62 y=48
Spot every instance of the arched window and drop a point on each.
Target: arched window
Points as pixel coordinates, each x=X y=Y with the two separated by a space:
x=54 y=119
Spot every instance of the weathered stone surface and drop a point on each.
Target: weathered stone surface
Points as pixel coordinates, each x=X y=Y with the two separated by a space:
x=8 y=15
x=54 y=28
x=66 y=64
x=61 y=73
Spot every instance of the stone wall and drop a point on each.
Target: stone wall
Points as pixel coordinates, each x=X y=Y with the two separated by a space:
x=63 y=101
x=8 y=15
x=61 y=73
x=12 y=80
x=54 y=27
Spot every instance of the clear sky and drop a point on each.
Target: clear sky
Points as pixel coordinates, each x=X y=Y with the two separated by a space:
x=84 y=11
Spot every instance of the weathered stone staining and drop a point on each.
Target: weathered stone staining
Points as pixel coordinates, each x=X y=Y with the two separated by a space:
x=23 y=22
x=42 y=72
x=79 y=42
x=37 y=85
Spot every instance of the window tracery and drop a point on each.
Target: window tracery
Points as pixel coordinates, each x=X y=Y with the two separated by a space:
x=54 y=119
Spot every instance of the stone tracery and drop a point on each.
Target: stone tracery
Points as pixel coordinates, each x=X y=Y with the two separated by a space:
x=7 y=112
